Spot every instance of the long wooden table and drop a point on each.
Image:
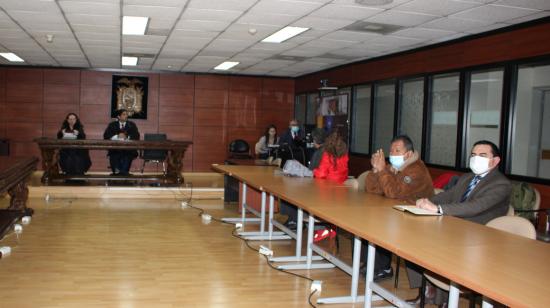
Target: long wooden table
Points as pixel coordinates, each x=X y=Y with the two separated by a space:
x=49 y=148
x=503 y=267
x=14 y=174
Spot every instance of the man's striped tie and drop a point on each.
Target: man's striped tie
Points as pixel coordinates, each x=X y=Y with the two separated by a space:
x=471 y=187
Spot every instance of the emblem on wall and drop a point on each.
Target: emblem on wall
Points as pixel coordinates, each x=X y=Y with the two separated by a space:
x=130 y=94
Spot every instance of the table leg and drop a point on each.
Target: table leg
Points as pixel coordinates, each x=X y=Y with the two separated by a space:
x=50 y=158
x=174 y=166
x=19 y=195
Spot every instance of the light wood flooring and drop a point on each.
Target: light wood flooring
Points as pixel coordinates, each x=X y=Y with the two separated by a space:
x=150 y=253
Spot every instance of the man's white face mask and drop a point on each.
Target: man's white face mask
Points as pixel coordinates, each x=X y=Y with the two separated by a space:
x=479 y=165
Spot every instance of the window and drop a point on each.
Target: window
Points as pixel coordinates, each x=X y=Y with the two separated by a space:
x=361 y=120
x=300 y=108
x=484 y=109
x=443 y=119
x=384 y=113
x=411 y=111
x=311 y=116
x=530 y=144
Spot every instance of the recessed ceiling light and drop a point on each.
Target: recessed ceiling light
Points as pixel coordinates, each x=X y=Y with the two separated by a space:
x=226 y=65
x=10 y=56
x=284 y=34
x=373 y=2
x=133 y=25
x=129 y=61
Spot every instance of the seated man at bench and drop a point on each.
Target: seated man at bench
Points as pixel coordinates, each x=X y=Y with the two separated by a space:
x=121 y=129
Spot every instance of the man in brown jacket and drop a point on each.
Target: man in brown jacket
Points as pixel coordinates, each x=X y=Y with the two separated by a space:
x=406 y=178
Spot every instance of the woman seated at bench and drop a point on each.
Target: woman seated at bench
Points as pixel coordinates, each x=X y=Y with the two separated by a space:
x=73 y=161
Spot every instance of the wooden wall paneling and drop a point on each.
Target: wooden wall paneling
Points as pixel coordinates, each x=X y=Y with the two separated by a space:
x=240 y=83
x=250 y=135
x=62 y=94
x=212 y=82
x=62 y=76
x=96 y=78
x=245 y=118
x=174 y=115
x=2 y=102
x=210 y=117
x=95 y=95
x=177 y=132
x=209 y=146
x=56 y=113
x=358 y=165
x=211 y=98
x=176 y=97
x=181 y=81
x=24 y=93
x=95 y=114
x=95 y=130
x=278 y=84
x=23 y=131
x=24 y=76
x=239 y=99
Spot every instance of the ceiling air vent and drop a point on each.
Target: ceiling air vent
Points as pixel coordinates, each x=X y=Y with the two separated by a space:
x=372 y=27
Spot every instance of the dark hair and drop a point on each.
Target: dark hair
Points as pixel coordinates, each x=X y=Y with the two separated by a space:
x=318 y=135
x=407 y=142
x=494 y=148
x=77 y=125
x=335 y=146
x=118 y=112
x=266 y=134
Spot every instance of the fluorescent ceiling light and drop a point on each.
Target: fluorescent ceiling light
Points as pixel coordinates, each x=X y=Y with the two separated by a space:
x=226 y=65
x=284 y=34
x=132 y=25
x=129 y=61
x=10 y=56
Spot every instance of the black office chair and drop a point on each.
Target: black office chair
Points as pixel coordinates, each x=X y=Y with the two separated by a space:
x=154 y=156
x=239 y=148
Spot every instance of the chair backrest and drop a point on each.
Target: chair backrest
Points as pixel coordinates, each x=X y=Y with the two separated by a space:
x=361 y=181
x=514 y=224
x=525 y=197
x=154 y=154
x=239 y=146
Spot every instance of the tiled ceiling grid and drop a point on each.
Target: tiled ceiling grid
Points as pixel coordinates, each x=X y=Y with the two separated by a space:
x=196 y=35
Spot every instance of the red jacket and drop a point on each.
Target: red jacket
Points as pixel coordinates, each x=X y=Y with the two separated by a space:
x=328 y=170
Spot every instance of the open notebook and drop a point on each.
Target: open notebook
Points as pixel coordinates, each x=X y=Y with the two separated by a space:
x=415 y=210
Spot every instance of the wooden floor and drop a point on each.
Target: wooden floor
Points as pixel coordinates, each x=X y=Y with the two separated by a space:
x=149 y=253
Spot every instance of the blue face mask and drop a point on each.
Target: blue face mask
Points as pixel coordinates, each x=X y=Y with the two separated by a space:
x=294 y=129
x=397 y=161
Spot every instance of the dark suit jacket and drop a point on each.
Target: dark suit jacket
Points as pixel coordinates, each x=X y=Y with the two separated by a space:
x=286 y=138
x=489 y=199
x=130 y=129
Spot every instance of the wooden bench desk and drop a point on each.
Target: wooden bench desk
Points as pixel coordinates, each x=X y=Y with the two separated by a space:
x=49 y=148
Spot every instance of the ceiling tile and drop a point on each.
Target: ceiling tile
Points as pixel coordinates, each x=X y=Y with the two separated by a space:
x=531 y=4
x=455 y=24
x=202 y=25
x=423 y=33
x=401 y=18
x=437 y=7
x=494 y=13
x=238 y=5
x=214 y=15
x=284 y=7
x=352 y=12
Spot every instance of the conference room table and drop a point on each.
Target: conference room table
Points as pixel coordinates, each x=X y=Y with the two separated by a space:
x=503 y=267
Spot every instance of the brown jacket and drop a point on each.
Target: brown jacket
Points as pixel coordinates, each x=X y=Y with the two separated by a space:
x=410 y=182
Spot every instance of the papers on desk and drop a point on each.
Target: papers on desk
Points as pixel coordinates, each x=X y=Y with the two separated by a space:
x=69 y=136
x=415 y=210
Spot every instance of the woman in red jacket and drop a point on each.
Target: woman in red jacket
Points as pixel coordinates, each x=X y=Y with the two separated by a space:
x=334 y=162
x=334 y=167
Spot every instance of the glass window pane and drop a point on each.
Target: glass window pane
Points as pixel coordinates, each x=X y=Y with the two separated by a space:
x=300 y=108
x=312 y=102
x=411 y=111
x=384 y=112
x=361 y=120
x=531 y=128
x=443 y=119
x=485 y=104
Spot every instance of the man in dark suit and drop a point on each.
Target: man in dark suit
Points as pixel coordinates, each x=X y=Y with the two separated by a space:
x=479 y=197
x=121 y=129
x=292 y=136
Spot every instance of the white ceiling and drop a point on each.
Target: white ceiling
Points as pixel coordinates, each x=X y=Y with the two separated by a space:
x=196 y=35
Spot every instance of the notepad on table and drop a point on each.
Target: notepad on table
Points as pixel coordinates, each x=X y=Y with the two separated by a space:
x=415 y=210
